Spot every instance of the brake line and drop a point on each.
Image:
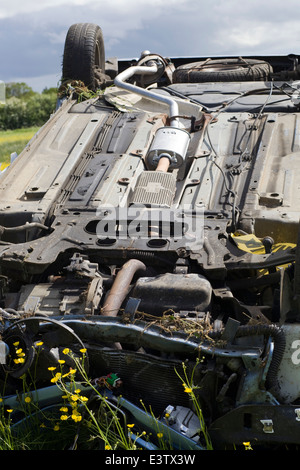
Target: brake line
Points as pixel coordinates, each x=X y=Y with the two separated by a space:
x=229 y=190
x=246 y=150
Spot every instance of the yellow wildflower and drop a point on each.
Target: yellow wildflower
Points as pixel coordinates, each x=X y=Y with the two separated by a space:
x=39 y=343
x=27 y=399
x=56 y=427
x=64 y=417
x=188 y=390
x=159 y=435
x=76 y=417
x=51 y=368
x=83 y=398
x=66 y=351
x=64 y=409
x=19 y=360
x=9 y=411
x=61 y=361
x=83 y=350
x=130 y=425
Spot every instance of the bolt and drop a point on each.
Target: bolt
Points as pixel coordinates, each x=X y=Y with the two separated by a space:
x=268 y=242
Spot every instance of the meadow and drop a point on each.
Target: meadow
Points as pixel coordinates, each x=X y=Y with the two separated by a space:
x=14 y=141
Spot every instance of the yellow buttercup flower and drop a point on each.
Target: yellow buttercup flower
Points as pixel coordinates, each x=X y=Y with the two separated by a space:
x=56 y=377
x=66 y=351
x=76 y=417
x=83 y=398
x=19 y=360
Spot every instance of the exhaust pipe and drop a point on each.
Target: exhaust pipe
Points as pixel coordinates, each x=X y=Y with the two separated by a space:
x=169 y=146
x=119 y=290
x=120 y=81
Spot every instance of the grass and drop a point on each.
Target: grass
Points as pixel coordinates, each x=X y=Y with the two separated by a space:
x=14 y=141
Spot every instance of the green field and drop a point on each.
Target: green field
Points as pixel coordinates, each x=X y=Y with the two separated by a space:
x=14 y=141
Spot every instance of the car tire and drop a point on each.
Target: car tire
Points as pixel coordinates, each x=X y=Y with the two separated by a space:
x=223 y=70
x=84 y=55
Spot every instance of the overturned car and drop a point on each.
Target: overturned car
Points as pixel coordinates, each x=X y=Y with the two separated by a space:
x=154 y=220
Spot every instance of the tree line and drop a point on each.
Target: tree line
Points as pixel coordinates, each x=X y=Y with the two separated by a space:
x=25 y=107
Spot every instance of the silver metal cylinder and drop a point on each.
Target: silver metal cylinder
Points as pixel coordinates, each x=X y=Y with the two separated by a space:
x=171 y=142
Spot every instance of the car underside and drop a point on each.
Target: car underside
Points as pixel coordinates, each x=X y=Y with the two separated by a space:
x=154 y=220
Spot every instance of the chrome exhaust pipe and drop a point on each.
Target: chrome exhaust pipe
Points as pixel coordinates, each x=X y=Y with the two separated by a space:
x=120 y=81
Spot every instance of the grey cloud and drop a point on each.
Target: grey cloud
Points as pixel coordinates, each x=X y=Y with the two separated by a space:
x=31 y=45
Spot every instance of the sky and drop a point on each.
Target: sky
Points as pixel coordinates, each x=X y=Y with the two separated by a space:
x=32 y=32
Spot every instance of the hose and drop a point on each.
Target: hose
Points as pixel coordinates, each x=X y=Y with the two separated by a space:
x=279 y=346
x=21 y=228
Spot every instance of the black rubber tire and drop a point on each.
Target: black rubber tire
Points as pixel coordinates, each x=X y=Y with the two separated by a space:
x=223 y=70
x=84 y=55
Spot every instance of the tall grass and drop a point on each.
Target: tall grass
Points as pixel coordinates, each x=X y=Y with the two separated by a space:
x=14 y=141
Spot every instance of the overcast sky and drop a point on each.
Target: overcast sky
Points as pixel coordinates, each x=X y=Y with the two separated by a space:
x=32 y=32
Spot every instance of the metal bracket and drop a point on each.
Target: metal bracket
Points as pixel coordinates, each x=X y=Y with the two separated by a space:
x=267 y=426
